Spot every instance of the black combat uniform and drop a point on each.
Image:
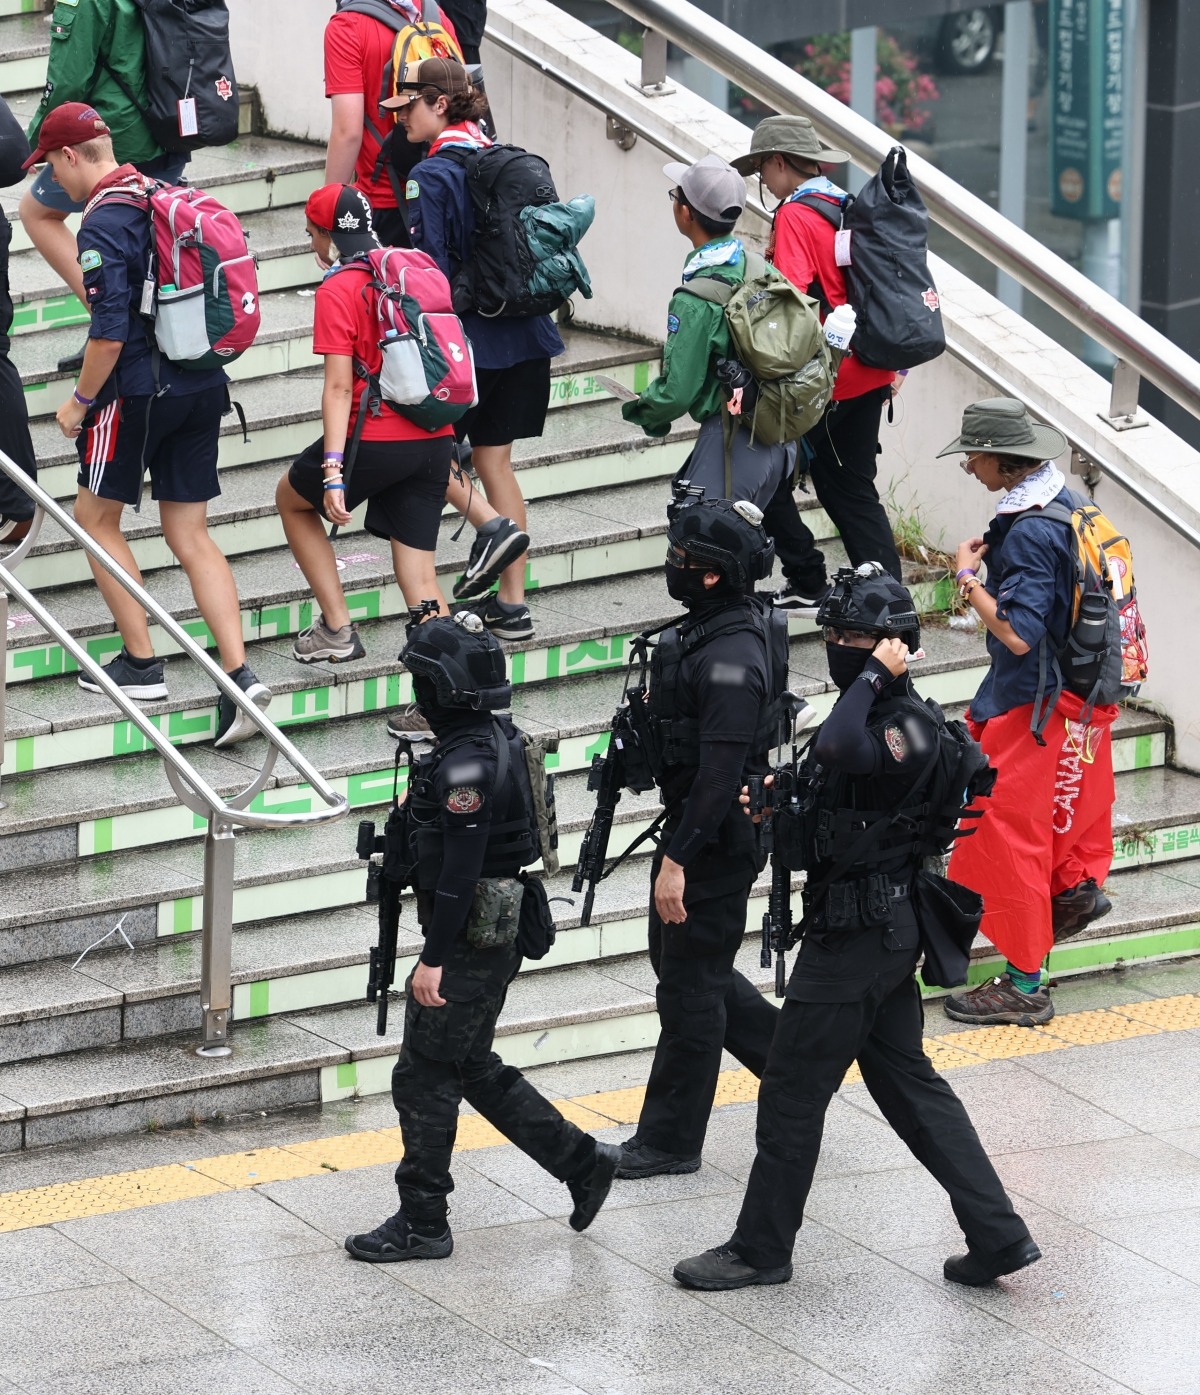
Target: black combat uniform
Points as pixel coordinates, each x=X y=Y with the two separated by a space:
x=15 y=441
x=853 y=996
x=716 y=685
x=470 y=817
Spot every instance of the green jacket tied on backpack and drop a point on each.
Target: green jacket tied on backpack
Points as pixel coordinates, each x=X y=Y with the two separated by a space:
x=88 y=38
x=697 y=335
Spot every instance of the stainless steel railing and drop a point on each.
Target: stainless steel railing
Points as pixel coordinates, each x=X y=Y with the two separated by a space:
x=223 y=814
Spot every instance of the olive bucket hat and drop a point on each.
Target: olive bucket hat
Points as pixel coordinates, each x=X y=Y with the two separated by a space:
x=787 y=135
x=1002 y=426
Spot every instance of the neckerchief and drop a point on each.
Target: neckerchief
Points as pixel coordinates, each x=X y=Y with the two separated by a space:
x=1035 y=491
x=464 y=133
x=727 y=252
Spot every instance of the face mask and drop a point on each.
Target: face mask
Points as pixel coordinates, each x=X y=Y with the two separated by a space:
x=686 y=585
x=845 y=663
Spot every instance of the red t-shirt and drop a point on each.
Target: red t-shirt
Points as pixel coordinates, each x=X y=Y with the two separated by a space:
x=344 y=324
x=357 y=50
x=802 y=248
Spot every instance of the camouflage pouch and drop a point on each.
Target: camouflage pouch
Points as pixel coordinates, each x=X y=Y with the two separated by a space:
x=495 y=916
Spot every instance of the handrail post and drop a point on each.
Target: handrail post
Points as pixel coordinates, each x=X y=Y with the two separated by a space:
x=1123 y=401
x=216 y=946
x=654 y=65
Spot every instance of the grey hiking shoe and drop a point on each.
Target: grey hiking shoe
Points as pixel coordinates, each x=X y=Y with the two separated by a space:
x=406 y=723
x=321 y=643
x=496 y=545
x=1000 y=1002
x=232 y=723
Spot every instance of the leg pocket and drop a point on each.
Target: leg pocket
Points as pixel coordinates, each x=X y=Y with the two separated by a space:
x=448 y=1033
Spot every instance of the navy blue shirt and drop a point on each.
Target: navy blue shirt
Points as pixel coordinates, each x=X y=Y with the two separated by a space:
x=442 y=223
x=114 y=253
x=1031 y=577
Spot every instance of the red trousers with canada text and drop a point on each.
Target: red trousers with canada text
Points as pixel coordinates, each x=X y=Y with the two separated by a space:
x=1046 y=827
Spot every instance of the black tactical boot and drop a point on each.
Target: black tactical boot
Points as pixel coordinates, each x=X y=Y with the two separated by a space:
x=976 y=1269
x=1075 y=908
x=396 y=1239
x=589 y=1191
x=638 y=1159
x=725 y=1268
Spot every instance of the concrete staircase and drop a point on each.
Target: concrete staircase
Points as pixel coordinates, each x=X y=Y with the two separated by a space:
x=93 y=835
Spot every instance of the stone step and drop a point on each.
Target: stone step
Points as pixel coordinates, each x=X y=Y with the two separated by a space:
x=21 y=7
x=24 y=49
x=276 y=237
x=580 y=629
x=284 y=416
x=251 y=175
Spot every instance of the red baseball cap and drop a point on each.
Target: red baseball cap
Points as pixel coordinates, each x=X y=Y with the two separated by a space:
x=71 y=124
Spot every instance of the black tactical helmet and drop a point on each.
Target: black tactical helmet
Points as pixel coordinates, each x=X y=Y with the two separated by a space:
x=866 y=598
x=728 y=536
x=462 y=660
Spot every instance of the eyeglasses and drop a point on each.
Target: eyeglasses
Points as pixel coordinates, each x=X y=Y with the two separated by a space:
x=673 y=195
x=965 y=465
x=677 y=558
x=859 y=638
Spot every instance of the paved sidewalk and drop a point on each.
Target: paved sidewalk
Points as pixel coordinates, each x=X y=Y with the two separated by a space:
x=247 y=1289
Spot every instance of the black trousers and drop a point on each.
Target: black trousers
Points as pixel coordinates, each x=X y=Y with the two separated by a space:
x=815 y=1044
x=839 y=454
x=15 y=440
x=447 y=1056
x=704 y=1005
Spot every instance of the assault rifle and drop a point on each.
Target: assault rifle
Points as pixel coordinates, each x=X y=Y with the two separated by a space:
x=386 y=861
x=629 y=763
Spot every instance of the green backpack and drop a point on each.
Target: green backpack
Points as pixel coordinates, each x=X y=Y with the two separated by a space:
x=777 y=336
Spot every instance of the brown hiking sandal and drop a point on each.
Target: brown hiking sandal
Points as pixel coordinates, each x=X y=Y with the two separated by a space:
x=1001 y=1003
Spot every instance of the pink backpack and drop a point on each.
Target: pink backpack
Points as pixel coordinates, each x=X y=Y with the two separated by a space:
x=205 y=311
x=428 y=368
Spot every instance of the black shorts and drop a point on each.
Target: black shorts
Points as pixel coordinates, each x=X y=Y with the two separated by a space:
x=404 y=483
x=174 y=438
x=512 y=404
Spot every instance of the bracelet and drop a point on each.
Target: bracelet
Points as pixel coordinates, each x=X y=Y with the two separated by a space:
x=968 y=586
x=334 y=457
x=965 y=572
x=333 y=484
x=83 y=401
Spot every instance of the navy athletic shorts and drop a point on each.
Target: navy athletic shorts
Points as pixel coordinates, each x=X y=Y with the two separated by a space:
x=172 y=438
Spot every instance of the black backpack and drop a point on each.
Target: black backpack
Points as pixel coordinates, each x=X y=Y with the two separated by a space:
x=895 y=301
x=187 y=58
x=502 y=180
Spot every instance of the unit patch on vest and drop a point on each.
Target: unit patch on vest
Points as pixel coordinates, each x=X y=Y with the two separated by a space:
x=896 y=741
x=672 y=324
x=90 y=261
x=412 y=190
x=464 y=799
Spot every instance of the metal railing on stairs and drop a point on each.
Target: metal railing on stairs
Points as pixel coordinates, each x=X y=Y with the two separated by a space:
x=223 y=814
x=1141 y=351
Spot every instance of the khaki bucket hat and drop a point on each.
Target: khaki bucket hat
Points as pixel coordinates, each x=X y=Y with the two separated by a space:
x=1002 y=426
x=787 y=135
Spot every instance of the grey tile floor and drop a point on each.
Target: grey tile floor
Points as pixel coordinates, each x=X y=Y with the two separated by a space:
x=251 y=1293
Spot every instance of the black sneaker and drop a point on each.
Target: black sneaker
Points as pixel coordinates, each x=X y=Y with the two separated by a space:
x=407 y=724
x=395 y=1240
x=1000 y=1002
x=232 y=724
x=590 y=1191
x=975 y=1270
x=638 y=1159
x=801 y=600
x=504 y=619
x=146 y=683
x=1074 y=909
x=496 y=545
x=724 y=1268
x=73 y=362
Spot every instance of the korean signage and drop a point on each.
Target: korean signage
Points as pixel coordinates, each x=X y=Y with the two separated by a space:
x=1087 y=107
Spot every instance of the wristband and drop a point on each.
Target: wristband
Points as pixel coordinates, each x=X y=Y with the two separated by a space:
x=333 y=484
x=83 y=401
x=334 y=457
x=965 y=572
x=968 y=586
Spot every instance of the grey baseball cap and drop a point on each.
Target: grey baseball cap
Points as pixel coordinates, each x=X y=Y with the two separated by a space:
x=1002 y=426
x=787 y=135
x=711 y=187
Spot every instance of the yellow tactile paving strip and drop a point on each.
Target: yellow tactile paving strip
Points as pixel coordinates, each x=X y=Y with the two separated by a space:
x=230 y=1172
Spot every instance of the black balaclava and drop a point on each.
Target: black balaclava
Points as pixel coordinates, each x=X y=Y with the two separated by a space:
x=686 y=585
x=845 y=662
x=440 y=718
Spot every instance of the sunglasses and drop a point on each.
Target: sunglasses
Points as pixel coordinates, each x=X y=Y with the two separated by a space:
x=834 y=635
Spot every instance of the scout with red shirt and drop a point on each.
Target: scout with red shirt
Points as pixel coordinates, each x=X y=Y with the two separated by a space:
x=399 y=468
x=839 y=453
x=358 y=50
x=1044 y=846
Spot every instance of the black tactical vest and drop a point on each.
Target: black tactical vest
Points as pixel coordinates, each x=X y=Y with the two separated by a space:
x=678 y=734
x=512 y=836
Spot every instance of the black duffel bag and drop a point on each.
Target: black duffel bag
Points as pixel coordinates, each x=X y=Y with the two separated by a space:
x=948 y=915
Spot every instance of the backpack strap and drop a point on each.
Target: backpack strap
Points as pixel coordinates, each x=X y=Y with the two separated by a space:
x=833 y=213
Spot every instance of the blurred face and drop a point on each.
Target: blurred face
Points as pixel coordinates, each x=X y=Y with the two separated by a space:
x=423 y=122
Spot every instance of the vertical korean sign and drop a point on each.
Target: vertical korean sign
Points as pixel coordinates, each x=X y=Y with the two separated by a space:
x=1087 y=107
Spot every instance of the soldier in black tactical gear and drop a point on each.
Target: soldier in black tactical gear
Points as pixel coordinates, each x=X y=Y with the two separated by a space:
x=717 y=681
x=469 y=827
x=852 y=994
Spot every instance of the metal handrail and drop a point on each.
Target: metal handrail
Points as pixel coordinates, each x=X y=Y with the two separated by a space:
x=193 y=790
x=1006 y=246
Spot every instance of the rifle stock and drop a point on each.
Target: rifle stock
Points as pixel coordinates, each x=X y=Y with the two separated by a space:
x=605 y=779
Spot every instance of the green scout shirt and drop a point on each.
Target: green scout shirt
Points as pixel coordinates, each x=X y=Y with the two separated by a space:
x=85 y=36
x=697 y=336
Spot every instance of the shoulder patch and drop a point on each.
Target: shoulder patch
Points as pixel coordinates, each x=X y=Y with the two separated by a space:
x=896 y=741
x=672 y=324
x=412 y=190
x=464 y=799
x=90 y=261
